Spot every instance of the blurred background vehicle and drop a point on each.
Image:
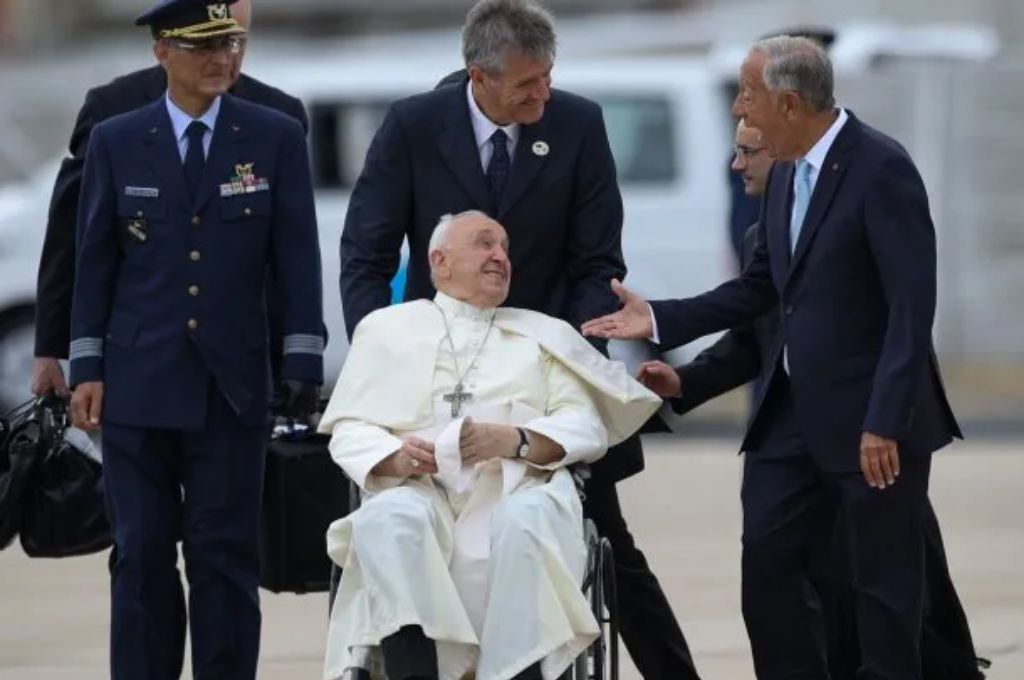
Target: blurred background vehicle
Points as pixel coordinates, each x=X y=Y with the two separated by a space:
x=945 y=78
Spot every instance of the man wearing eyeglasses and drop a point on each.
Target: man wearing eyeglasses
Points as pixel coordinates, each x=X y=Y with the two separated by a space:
x=186 y=203
x=57 y=261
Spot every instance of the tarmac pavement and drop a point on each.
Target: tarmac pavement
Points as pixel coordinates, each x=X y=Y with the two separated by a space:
x=684 y=511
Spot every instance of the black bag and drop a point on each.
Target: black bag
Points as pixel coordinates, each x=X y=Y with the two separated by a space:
x=19 y=441
x=303 y=492
x=63 y=508
x=64 y=514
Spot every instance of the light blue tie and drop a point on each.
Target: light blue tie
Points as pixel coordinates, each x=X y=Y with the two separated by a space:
x=801 y=199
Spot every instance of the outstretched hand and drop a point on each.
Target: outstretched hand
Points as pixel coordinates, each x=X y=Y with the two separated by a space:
x=632 y=322
x=660 y=378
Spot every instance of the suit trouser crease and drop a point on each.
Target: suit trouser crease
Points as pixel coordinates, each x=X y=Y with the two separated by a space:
x=790 y=504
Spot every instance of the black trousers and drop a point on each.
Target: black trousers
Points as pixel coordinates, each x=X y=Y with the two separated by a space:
x=790 y=507
x=646 y=623
x=203 y=488
x=947 y=646
x=410 y=655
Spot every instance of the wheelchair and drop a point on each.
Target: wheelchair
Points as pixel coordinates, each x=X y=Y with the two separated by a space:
x=600 y=661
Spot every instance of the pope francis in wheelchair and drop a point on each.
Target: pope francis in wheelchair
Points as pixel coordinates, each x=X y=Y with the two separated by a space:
x=459 y=419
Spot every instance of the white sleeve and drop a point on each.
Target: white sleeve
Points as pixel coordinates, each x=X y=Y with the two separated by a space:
x=654 y=326
x=571 y=419
x=357 y=447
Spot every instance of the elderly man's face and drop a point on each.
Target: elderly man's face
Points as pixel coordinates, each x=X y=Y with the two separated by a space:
x=771 y=113
x=516 y=95
x=751 y=161
x=474 y=265
x=199 y=68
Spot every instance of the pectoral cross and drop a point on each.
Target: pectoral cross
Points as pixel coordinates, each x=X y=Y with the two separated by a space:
x=456 y=397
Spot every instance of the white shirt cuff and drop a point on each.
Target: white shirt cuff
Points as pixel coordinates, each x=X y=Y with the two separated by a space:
x=654 y=325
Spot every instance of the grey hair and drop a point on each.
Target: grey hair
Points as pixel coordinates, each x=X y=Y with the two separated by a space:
x=799 y=65
x=493 y=27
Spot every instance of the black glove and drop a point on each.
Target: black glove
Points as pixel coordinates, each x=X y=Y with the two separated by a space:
x=299 y=399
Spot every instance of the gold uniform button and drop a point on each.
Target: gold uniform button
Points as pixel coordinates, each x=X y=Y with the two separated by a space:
x=196 y=220
x=194 y=256
x=193 y=324
x=193 y=290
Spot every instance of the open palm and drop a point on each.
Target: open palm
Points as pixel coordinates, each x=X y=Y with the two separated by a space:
x=632 y=322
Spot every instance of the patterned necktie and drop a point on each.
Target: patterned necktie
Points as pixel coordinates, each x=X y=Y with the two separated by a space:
x=801 y=199
x=195 y=158
x=497 y=169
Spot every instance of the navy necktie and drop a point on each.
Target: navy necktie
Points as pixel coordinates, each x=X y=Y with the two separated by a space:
x=497 y=169
x=195 y=158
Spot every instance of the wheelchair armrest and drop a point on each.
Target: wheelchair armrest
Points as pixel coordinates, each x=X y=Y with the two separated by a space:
x=355 y=496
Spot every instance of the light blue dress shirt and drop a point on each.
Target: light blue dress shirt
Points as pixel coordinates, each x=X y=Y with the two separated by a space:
x=181 y=120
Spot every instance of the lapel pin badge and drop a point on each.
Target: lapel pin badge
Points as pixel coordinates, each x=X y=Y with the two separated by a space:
x=541 y=149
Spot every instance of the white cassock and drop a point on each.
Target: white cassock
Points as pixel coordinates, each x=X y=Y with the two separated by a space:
x=489 y=561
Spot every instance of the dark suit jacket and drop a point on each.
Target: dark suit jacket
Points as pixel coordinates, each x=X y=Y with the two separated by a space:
x=857 y=301
x=156 y=318
x=562 y=211
x=735 y=359
x=57 y=262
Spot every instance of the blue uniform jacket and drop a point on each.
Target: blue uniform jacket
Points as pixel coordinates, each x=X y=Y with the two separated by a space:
x=169 y=291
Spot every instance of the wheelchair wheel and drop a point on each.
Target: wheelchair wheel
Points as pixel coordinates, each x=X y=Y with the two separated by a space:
x=601 y=660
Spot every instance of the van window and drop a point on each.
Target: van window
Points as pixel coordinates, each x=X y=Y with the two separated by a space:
x=642 y=138
x=340 y=134
x=640 y=132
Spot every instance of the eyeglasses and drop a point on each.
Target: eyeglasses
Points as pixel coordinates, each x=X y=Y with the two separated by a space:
x=232 y=44
x=746 y=152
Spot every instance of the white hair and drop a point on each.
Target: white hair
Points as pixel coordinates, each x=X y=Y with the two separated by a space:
x=800 y=65
x=442 y=232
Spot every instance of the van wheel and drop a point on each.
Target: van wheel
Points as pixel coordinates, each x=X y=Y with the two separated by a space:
x=17 y=349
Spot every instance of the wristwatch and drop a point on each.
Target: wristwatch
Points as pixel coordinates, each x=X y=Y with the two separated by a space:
x=523 y=450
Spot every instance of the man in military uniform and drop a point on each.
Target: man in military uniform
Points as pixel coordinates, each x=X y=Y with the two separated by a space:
x=186 y=204
x=57 y=260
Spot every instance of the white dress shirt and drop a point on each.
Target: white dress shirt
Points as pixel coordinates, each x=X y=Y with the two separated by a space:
x=484 y=127
x=181 y=120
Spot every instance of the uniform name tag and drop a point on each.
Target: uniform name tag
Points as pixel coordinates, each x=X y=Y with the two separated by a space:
x=142 y=192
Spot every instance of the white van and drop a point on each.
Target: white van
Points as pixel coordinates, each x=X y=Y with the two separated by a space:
x=23 y=210
x=669 y=129
x=667 y=119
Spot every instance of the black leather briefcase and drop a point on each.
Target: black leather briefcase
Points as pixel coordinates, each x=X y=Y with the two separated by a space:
x=303 y=492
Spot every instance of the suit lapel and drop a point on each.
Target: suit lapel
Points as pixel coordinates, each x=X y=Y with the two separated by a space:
x=458 y=148
x=228 y=132
x=778 y=214
x=525 y=167
x=160 y=149
x=829 y=178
